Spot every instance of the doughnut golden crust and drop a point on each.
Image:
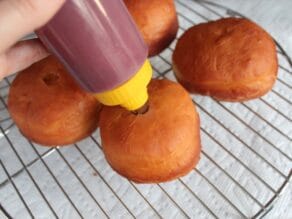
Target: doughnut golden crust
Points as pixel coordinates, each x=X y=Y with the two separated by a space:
x=231 y=59
x=156 y=20
x=49 y=107
x=160 y=145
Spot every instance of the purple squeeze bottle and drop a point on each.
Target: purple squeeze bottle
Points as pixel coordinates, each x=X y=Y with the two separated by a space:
x=100 y=45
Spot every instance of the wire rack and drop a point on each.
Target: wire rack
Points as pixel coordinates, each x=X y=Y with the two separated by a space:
x=244 y=167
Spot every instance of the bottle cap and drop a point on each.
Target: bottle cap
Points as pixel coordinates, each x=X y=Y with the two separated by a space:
x=131 y=95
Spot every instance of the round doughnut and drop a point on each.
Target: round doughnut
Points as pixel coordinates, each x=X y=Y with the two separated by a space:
x=159 y=145
x=49 y=107
x=157 y=22
x=231 y=59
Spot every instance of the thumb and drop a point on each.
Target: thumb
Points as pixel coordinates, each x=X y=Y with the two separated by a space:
x=20 y=17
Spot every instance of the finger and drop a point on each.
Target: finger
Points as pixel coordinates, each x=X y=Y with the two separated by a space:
x=21 y=56
x=20 y=17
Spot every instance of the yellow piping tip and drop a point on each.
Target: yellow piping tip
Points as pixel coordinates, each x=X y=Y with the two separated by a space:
x=131 y=95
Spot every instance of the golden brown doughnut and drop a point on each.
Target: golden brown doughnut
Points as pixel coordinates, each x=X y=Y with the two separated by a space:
x=49 y=107
x=231 y=59
x=156 y=20
x=160 y=145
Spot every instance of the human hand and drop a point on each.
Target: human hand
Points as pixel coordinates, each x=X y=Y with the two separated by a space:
x=18 y=18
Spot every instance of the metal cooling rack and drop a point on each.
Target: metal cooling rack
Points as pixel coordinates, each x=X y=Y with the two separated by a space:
x=244 y=167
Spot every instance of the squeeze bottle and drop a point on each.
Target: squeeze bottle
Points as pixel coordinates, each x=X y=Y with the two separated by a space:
x=100 y=45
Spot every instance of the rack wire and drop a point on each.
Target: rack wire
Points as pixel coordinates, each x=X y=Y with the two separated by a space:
x=244 y=167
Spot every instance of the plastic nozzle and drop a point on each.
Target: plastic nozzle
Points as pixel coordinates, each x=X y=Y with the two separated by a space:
x=131 y=95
